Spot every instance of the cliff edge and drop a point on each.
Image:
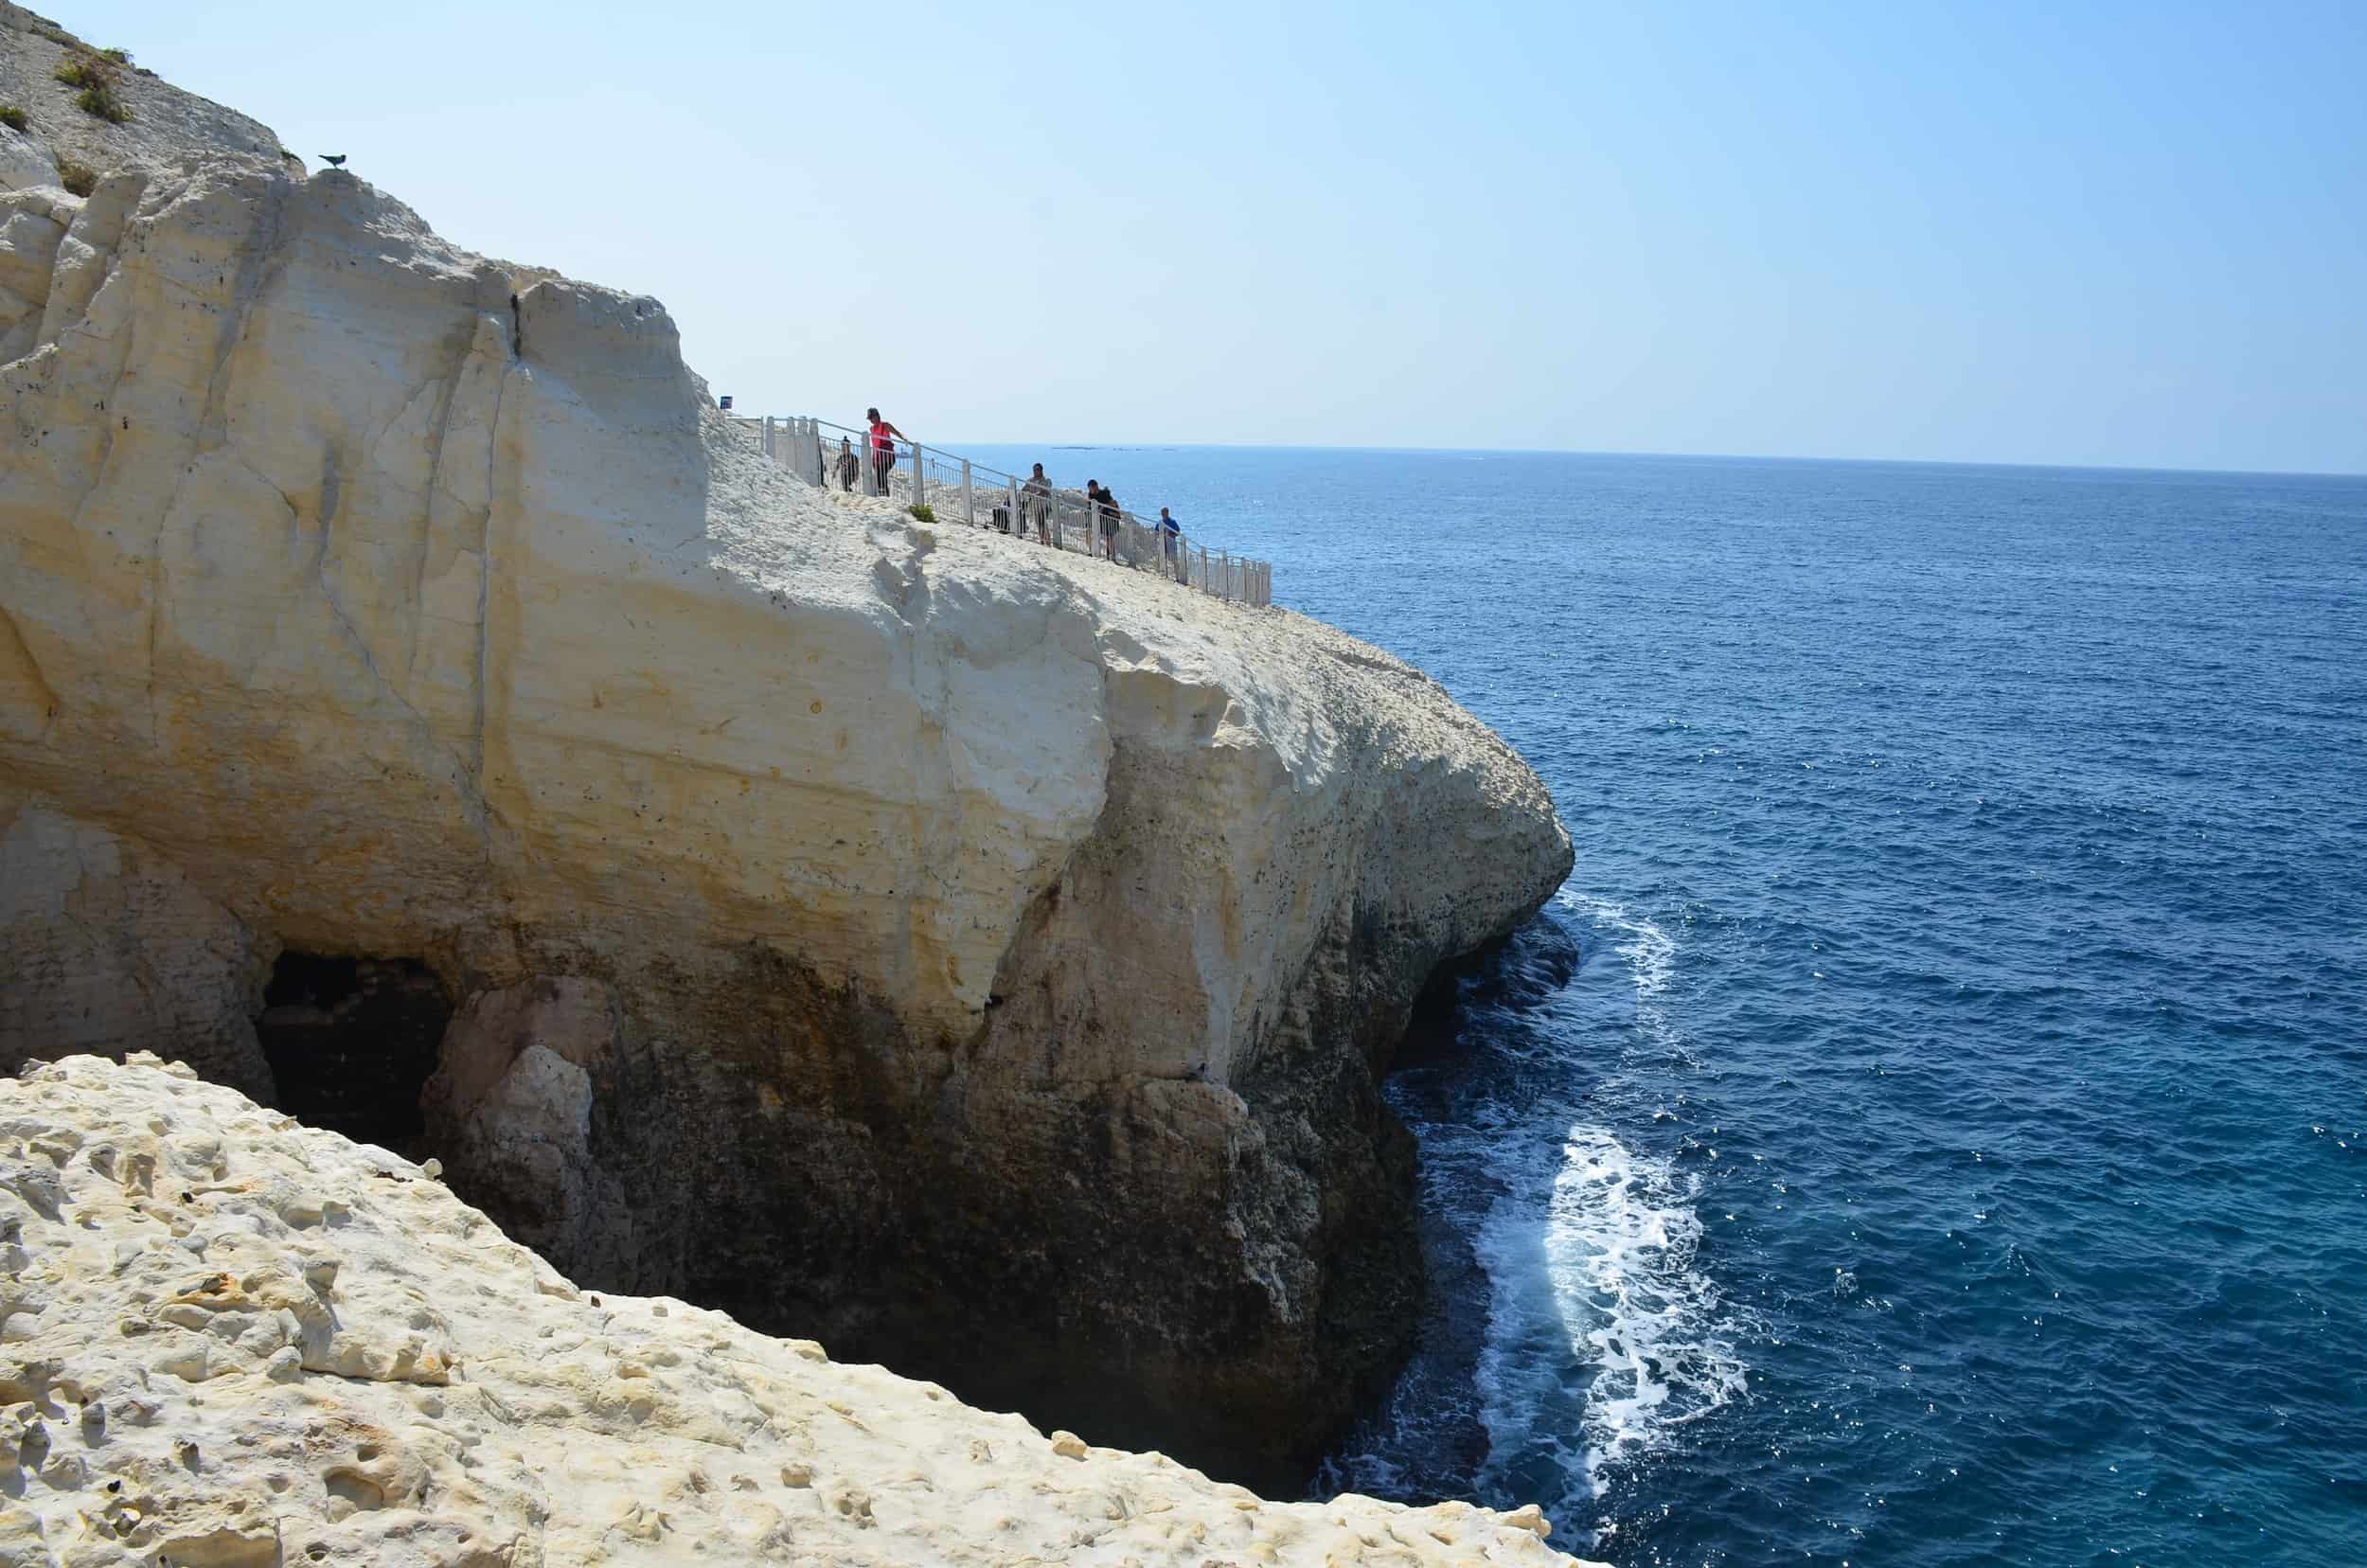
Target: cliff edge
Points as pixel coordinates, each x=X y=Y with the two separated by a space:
x=420 y=709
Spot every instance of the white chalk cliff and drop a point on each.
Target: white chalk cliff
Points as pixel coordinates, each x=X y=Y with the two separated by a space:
x=164 y=123
x=980 y=959
x=228 y=1341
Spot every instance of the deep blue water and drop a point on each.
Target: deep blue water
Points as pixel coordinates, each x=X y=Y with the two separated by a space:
x=1930 y=1127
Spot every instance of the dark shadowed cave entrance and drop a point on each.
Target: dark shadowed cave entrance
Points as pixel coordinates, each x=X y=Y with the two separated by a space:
x=353 y=1041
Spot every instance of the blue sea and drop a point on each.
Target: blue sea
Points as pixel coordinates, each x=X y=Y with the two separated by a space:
x=1930 y=1125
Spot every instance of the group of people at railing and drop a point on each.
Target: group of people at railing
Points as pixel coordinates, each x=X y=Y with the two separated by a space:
x=1033 y=505
x=848 y=468
x=1037 y=493
x=882 y=440
x=1036 y=496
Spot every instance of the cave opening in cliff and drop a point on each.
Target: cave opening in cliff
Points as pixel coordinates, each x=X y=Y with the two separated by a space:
x=353 y=1041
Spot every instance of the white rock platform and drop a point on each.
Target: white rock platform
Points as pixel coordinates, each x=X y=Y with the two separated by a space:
x=229 y=1341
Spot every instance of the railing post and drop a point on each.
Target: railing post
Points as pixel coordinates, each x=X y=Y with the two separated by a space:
x=970 y=499
x=1019 y=523
x=921 y=480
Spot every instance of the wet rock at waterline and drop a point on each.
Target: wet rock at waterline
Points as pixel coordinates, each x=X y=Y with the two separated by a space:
x=980 y=959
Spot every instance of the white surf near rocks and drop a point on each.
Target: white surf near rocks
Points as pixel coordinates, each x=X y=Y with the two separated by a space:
x=227 y=1340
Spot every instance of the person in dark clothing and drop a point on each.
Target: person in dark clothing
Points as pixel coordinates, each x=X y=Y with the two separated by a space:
x=1108 y=507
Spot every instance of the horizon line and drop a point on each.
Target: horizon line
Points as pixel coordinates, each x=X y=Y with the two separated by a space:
x=1688 y=456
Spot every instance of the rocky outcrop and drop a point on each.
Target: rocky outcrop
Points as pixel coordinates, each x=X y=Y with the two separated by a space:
x=233 y=1340
x=983 y=959
x=164 y=125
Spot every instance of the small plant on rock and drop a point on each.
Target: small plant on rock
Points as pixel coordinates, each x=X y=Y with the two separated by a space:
x=102 y=102
x=97 y=75
x=11 y=117
x=120 y=56
x=923 y=512
x=79 y=178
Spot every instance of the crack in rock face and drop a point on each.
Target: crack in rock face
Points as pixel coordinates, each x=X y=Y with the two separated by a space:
x=982 y=958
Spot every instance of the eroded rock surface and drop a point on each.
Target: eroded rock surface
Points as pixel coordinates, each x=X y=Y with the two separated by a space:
x=982 y=958
x=166 y=121
x=229 y=1340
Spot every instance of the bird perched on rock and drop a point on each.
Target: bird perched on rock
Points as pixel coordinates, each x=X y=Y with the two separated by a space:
x=334 y=160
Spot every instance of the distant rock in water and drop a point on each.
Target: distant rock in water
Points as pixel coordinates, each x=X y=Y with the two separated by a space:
x=981 y=959
x=233 y=1340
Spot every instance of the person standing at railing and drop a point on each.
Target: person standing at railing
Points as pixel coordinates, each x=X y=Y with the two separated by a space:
x=1106 y=504
x=1035 y=505
x=1171 y=536
x=883 y=438
x=848 y=467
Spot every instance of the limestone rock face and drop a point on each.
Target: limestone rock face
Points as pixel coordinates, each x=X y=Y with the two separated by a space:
x=981 y=957
x=166 y=123
x=233 y=1340
x=107 y=942
x=25 y=160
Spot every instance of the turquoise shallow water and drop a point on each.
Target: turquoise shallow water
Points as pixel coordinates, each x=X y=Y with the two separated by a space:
x=1930 y=1127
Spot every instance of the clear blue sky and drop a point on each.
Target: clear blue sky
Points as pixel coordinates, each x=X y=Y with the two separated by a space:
x=2085 y=233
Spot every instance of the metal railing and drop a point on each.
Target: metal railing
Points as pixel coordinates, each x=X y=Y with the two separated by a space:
x=958 y=491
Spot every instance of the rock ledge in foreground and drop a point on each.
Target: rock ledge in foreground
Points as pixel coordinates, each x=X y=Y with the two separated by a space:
x=231 y=1340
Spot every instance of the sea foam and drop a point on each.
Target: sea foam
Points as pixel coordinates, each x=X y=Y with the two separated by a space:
x=1605 y=1335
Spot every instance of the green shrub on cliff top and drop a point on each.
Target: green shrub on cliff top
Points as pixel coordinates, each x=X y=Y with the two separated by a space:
x=11 y=117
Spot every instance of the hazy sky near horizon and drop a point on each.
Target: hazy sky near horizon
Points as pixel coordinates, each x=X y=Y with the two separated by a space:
x=2111 y=233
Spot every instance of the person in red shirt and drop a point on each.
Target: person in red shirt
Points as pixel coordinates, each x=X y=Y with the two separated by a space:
x=883 y=438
